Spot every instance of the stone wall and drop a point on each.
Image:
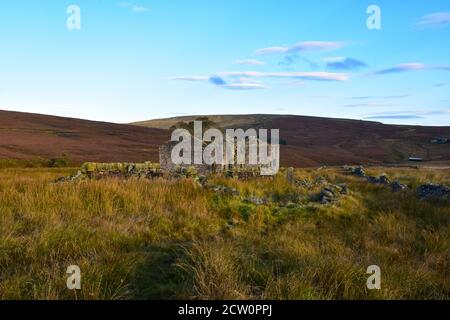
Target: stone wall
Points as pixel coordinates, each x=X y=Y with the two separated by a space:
x=165 y=160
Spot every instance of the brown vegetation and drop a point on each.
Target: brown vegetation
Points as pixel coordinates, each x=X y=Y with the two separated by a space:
x=146 y=239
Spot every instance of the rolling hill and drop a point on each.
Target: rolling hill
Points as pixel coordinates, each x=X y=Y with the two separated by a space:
x=306 y=141
x=28 y=136
x=314 y=141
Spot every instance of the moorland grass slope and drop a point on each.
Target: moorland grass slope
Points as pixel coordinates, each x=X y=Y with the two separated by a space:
x=169 y=239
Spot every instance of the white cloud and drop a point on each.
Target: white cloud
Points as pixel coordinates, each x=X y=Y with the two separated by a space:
x=235 y=84
x=191 y=78
x=435 y=19
x=246 y=80
x=312 y=76
x=251 y=62
x=245 y=86
x=302 y=47
x=133 y=7
x=414 y=66
x=271 y=50
x=407 y=114
x=317 y=76
x=370 y=104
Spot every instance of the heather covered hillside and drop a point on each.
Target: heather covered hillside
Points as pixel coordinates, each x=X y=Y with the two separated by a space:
x=313 y=141
x=305 y=141
x=37 y=138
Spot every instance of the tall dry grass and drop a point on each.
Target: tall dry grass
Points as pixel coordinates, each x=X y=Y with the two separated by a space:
x=141 y=239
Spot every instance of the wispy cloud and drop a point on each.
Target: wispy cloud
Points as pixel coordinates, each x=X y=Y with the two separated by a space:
x=434 y=20
x=344 y=63
x=314 y=76
x=407 y=114
x=440 y=84
x=245 y=86
x=244 y=79
x=370 y=104
x=290 y=59
x=251 y=62
x=133 y=7
x=217 y=80
x=394 y=116
x=302 y=47
x=191 y=78
x=247 y=80
x=399 y=96
x=381 y=97
x=402 y=68
x=407 y=67
x=438 y=112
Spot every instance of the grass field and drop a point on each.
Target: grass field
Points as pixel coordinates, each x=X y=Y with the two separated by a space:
x=141 y=239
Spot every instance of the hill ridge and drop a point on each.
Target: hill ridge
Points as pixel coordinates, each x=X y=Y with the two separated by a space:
x=306 y=141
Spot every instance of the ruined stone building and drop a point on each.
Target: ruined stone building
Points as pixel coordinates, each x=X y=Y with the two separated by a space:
x=165 y=159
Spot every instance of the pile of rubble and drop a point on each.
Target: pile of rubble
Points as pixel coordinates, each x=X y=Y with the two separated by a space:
x=425 y=191
x=303 y=183
x=356 y=171
x=221 y=189
x=397 y=186
x=332 y=193
x=382 y=179
x=430 y=190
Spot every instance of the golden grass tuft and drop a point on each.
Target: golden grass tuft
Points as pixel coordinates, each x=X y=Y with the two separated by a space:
x=140 y=239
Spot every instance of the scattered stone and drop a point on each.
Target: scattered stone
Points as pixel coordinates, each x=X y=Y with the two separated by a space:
x=343 y=188
x=431 y=190
x=76 y=177
x=326 y=196
x=383 y=179
x=332 y=193
x=303 y=183
x=397 y=186
x=357 y=171
x=202 y=180
x=149 y=170
x=257 y=201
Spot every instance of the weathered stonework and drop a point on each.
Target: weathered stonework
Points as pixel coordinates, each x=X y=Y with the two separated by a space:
x=167 y=165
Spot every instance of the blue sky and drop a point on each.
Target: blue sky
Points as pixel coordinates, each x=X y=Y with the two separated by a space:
x=138 y=60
